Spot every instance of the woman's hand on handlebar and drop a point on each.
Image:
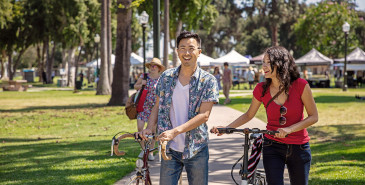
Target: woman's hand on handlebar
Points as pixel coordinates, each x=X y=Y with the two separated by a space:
x=214 y=130
x=283 y=132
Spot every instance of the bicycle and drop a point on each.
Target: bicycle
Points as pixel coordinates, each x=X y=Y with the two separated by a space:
x=142 y=175
x=255 y=177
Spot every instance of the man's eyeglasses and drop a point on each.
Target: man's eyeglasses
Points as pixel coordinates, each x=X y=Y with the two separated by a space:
x=184 y=50
x=282 y=119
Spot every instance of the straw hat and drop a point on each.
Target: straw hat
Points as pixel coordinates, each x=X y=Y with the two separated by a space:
x=157 y=62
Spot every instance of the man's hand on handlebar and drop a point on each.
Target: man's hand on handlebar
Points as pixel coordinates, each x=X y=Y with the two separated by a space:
x=143 y=133
x=167 y=135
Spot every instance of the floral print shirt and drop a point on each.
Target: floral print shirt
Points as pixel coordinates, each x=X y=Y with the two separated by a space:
x=203 y=87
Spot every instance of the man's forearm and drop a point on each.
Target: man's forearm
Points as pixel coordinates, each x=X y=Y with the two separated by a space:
x=192 y=124
x=199 y=119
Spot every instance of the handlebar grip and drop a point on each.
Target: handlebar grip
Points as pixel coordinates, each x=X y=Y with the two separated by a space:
x=272 y=132
x=163 y=151
x=225 y=130
x=116 y=144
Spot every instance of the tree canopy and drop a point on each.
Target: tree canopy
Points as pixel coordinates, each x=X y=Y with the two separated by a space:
x=321 y=28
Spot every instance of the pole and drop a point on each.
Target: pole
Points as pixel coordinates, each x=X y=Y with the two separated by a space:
x=345 y=66
x=97 y=60
x=144 y=48
x=156 y=28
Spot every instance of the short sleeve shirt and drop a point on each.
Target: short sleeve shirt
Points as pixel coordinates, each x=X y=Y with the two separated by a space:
x=226 y=76
x=294 y=113
x=203 y=87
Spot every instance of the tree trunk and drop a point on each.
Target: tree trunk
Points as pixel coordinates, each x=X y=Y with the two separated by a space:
x=274 y=35
x=68 y=65
x=166 y=34
x=77 y=68
x=103 y=86
x=64 y=62
x=17 y=61
x=123 y=51
x=109 y=42
x=10 y=63
x=3 y=69
x=49 y=65
x=41 y=61
x=174 y=54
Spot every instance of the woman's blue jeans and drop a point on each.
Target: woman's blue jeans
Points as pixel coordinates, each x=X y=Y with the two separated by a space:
x=196 y=168
x=296 y=157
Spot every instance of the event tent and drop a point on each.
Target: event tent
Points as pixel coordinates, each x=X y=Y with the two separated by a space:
x=355 y=57
x=312 y=58
x=204 y=60
x=135 y=60
x=257 y=59
x=233 y=58
x=355 y=61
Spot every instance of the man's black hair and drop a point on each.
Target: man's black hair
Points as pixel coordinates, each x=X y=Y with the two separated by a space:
x=187 y=35
x=225 y=64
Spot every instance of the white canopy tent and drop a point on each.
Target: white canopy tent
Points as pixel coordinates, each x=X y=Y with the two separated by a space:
x=135 y=60
x=233 y=58
x=313 y=57
x=204 y=60
x=355 y=57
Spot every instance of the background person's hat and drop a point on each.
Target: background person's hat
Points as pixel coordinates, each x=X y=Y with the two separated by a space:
x=157 y=62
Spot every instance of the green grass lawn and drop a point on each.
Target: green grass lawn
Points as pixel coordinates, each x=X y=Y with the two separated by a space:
x=58 y=137
x=337 y=140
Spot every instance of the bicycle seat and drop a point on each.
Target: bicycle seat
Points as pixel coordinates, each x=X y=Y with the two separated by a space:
x=254 y=136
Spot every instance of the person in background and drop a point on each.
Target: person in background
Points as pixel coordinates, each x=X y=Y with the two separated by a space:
x=155 y=69
x=250 y=76
x=185 y=97
x=284 y=95
x=262 y=75
x=218 y=76
x=227 y=82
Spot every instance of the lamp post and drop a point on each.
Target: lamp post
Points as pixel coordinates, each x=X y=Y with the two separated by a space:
x=97 y=40
x=143 y=19
x=346 y=29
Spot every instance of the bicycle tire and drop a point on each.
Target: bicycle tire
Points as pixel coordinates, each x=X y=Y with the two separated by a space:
x=136 y=180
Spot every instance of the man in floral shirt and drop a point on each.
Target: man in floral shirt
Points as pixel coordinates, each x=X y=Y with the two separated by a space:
x=185 y=97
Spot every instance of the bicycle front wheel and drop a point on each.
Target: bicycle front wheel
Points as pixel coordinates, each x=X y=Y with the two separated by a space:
x=136 y=180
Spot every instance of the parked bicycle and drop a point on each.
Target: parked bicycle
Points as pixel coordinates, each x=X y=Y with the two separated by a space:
x=142 y=176
x=249 y=175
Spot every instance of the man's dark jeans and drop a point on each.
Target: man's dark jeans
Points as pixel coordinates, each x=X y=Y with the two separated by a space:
x=296 y=157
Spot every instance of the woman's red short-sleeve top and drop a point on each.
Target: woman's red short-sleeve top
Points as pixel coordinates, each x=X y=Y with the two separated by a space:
x=294 y=113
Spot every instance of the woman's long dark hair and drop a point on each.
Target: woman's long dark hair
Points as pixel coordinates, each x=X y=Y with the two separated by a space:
x=216 y=68
x=287 y=71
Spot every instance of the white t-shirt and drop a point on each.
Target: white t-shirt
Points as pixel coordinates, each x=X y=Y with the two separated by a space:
x=179 y=113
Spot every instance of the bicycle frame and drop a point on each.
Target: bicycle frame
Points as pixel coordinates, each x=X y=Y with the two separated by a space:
x=142 y=170
x=244 y=169
x=244 y=173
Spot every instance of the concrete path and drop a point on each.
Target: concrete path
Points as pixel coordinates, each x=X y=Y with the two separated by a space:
x=224 y=150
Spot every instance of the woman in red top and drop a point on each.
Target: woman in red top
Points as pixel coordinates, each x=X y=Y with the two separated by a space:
x=285 y=114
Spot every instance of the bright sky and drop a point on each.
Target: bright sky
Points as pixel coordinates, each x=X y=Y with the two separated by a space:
x=360 y=3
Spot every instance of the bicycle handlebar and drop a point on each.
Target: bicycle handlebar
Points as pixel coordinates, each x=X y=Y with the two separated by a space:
x=115 y=142
x=163 y=151
x=245 y=131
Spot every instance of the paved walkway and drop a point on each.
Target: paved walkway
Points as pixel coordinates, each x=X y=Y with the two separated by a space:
x=224 y=150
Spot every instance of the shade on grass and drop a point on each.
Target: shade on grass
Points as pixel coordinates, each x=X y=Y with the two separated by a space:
x=58 y=137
